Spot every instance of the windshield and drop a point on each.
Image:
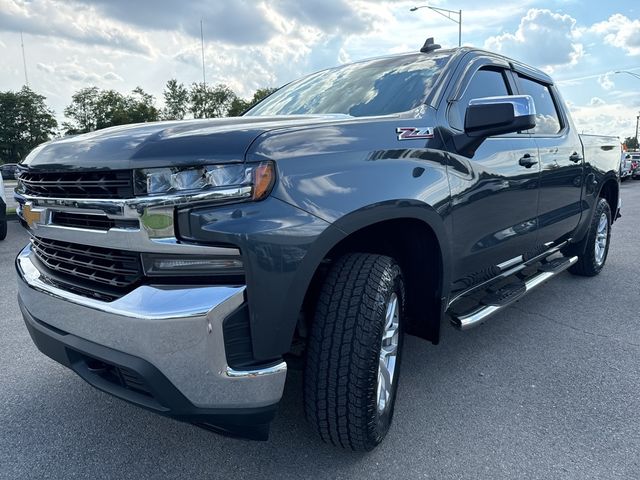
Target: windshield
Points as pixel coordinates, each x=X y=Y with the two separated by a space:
x=373 y=87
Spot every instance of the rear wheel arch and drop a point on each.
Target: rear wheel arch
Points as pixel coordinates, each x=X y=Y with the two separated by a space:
x=610 y=191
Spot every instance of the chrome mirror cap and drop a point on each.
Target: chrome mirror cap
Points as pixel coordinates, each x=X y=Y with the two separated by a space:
x=522 y=104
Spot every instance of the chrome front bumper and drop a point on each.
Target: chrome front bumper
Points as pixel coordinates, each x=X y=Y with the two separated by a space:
x=176 y=329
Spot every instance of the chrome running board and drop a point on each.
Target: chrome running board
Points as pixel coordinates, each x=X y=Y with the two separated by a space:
x=476 y=317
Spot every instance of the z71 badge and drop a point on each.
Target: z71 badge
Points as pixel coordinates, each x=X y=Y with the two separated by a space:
x=413 y=133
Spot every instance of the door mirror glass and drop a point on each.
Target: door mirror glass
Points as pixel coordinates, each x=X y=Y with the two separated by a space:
x=489 y=116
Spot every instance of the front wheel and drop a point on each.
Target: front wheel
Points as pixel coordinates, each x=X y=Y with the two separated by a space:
x=353 y=357
x=596 y=250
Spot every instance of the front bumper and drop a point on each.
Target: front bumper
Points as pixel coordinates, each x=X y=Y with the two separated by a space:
x=168 y=340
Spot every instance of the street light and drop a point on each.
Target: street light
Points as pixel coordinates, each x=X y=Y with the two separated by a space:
x=447 y=14
x=638 y=77
x=630 y=73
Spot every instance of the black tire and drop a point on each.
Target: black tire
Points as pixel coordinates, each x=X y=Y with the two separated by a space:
x=345 y=344
x=3 y=229
x=588 y=265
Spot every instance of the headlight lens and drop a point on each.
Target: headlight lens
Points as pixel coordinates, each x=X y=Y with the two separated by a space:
x=158 y=181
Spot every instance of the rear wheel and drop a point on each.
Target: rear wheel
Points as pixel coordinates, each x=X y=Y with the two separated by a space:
x=3 y=229
x=596 y=250
x=355 y=345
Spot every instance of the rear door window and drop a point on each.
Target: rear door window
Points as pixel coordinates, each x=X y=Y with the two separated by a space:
x=547 y=117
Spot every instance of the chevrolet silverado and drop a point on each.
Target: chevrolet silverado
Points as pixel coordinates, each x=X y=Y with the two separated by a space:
x=184 y=266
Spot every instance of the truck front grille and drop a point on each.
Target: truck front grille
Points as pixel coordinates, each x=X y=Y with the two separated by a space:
x=92 y=222
x=108 y=184
x=87 y=266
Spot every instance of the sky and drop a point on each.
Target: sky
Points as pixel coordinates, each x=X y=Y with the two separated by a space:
x=121 y=44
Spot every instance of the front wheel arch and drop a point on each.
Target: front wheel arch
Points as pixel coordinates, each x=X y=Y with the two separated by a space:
x=415 y=223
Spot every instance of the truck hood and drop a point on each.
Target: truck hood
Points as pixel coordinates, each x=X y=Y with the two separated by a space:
x=185 y=142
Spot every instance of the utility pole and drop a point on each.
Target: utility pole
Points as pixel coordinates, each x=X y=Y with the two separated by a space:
x=637 y=121
x=204 y=78
x=24 y=61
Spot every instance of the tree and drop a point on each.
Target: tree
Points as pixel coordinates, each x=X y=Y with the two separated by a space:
x=93 y=109
x=82 y=111
x=631 y=143
x=210 y=102
x=111 y=109
x=25 y=122
x=140 y=107
x=176 y=100
x=239 y=105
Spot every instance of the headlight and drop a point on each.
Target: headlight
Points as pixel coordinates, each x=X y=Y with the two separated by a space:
x=162 y=181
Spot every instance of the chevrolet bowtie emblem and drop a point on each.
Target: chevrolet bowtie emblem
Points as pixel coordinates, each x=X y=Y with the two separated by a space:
x=31 y=216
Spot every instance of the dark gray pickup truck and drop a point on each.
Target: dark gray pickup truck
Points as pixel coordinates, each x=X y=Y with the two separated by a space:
x=182 y=266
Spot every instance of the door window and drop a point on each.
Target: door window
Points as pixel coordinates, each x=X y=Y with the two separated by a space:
x=484 y=83
x=547 y=118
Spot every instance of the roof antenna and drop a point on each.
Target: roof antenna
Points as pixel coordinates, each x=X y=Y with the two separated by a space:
x=429 y=46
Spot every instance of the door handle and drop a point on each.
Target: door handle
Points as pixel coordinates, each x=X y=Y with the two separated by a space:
x=527 y=161
x=575 y=157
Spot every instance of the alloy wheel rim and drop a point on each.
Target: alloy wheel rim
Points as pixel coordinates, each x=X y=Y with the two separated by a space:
x=602 y=234
x=388 y=353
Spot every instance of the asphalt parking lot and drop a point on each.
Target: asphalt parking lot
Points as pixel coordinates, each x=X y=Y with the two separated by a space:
x=548 y=389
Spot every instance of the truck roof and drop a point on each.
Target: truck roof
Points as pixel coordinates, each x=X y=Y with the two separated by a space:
x=459 y=52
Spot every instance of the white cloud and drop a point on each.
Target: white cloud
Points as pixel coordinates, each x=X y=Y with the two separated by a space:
x=73 y=71
x=543 y=38
x=606 y=81
x=69 y=21
x=112 y=76
x=599 y=117
x=619 y=31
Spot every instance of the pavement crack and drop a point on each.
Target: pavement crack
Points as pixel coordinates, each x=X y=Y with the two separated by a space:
x=573 y=327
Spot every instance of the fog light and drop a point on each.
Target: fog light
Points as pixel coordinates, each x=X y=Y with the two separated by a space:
x=158 y=265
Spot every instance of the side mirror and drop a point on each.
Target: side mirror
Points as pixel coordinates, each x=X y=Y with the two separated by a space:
x=489 y=116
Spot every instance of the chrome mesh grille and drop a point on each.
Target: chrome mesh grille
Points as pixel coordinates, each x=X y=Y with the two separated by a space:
x=108 y=184
x=92 y=266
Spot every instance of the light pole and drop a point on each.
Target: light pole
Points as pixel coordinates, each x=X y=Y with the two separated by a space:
x=447 y=14
x=638 y=116
x=630 y=73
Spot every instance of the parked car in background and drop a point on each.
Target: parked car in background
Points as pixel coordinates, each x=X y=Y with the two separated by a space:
x=9 y=171
x=3 y=212
x=634 y=164
x=625 y=167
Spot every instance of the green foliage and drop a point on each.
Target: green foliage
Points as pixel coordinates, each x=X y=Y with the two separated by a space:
x=631 y=143
x=210 y=102
x=176 y=100
x=239 y=105
x=25 y=122
x=93 y=109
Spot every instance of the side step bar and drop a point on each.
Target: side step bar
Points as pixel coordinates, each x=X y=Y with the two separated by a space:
x=465 y=322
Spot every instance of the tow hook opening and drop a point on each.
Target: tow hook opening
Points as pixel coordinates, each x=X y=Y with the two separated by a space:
x=96 y=366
